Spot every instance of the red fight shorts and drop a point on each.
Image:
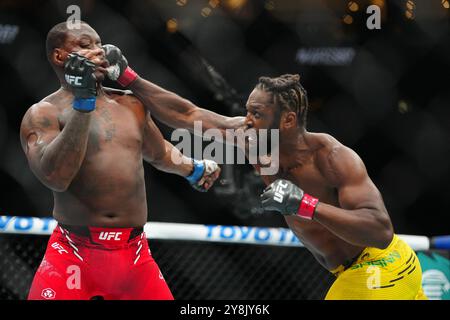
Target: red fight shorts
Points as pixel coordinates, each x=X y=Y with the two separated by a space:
x=98 y=263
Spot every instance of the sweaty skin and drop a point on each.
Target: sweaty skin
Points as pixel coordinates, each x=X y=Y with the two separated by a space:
x=351 y=214
x=93 y=162
x=313 y=169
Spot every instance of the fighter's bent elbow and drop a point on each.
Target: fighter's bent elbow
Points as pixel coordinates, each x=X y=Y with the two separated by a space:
x=56 y=184
x=157 y=162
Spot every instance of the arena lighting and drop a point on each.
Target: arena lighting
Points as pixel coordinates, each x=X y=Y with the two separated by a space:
x=172 y=25
x=8 y=33
x=379 y=3
x=181 y=2
x=403 y=107
x=214 y=3
x=269 y=5
x=353 y=6
x=234 y=4
x=445 y=4
x=409 y=15
x=410 y=7
x=347 y=19
x=206 y=11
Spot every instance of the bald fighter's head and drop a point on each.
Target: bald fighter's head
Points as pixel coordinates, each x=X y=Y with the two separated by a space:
x=61 y=41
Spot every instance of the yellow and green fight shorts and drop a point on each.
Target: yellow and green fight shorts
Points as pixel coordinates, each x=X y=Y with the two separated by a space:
x=392 y=273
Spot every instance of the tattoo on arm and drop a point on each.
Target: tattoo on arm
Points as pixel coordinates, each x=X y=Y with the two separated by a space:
x=45 y=122
x=55 y=156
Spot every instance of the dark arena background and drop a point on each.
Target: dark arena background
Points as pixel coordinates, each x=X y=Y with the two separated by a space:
x=383 y=91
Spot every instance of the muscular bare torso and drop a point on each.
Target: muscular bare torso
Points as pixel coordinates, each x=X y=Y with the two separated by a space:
x=308 y=174
x=109 y=189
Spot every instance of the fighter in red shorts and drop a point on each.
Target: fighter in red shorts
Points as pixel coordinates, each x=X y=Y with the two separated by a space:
x=86 y=143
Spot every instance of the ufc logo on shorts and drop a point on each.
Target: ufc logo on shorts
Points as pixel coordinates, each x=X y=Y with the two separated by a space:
x=280 y=191
x=73 y=80
x=109 y=236
x=60 y=248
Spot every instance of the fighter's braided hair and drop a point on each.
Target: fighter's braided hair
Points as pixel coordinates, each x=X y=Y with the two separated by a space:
x=288 y=94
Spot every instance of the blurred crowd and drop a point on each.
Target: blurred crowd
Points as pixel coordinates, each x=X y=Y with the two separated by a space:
x=383 y=92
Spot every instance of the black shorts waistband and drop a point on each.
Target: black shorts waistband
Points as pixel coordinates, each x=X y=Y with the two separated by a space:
x=83 y=231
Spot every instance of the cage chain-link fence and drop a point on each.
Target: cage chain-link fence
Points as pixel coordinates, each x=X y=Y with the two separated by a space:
x=193 y=270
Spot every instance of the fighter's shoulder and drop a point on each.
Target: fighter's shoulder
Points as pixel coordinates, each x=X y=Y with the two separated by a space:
x=40 y=116
x=334 y=158
x=43 y=108
x=53 y=104
x=322 y=143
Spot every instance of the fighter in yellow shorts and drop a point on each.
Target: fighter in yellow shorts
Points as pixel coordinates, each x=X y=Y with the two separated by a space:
x=381 y=274
x=322 y=187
